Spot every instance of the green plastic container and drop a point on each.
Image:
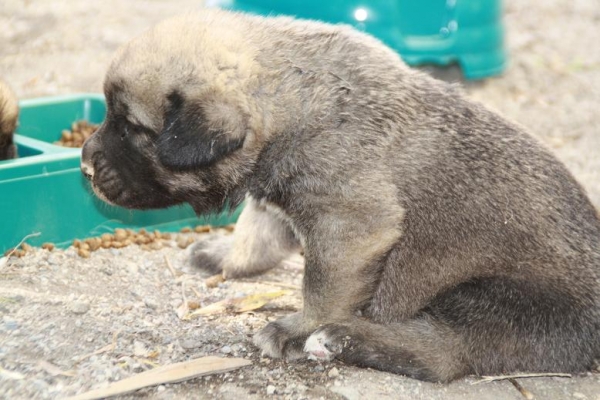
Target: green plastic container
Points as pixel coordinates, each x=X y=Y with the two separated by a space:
x=43 y=190
x=467 y=32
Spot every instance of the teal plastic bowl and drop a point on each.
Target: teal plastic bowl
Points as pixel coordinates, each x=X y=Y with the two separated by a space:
x=43 y=190
x=467 y=32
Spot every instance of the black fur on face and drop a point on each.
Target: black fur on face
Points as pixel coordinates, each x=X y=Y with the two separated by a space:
x=187 y=141
x=122 y=164
x=137 y=167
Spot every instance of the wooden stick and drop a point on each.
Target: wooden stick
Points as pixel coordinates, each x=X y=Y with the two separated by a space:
x=196 y=292
x=166 y=374
x=173 y=272
x=524 y=392
x=503 y=377
x=185 y=300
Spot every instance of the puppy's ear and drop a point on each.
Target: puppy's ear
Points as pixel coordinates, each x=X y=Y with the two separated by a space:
x=197 y=135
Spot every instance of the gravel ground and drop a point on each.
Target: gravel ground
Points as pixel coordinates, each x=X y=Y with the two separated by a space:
x=70 y=324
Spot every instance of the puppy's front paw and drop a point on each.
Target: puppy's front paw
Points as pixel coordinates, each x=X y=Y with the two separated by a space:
x=283 y=338
x=327 y=342
x=209 y=255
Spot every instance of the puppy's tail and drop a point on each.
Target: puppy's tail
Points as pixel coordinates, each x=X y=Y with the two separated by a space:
x=9 y=113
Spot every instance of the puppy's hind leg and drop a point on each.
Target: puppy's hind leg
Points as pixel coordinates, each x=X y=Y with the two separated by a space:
x=420 y=348
x=484 y=327
x=261 y=240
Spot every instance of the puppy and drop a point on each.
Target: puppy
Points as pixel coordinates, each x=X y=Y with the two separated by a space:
x=440 y=239
x=9 y=114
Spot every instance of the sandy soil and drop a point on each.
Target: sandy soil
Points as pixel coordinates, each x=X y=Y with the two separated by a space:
x=60 y=309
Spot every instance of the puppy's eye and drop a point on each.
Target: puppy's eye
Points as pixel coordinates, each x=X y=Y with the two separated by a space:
x=125 y=133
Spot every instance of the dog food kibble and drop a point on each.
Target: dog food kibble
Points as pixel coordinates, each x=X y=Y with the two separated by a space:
x=19 y=253
x=14 y=252
x=184 y=241
x=83 y=253
x=121 y=234
x=93 y=243
x=146 y=240
x=79 y=133
x=25 y=248
x=48 y=246
x=202 y=229
x=121 y=238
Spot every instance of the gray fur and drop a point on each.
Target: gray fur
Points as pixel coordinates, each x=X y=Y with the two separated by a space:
x=463 y=243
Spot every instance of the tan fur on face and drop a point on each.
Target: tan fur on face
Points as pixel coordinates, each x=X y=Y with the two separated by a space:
x=9 y=114
x=209 y=56
x=9 y=110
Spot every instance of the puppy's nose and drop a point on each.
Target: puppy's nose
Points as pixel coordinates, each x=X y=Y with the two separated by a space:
x=87 y=170
x=90 y=147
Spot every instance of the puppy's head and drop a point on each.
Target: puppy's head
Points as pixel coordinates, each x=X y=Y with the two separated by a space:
x=179 y=125
x=9 y=113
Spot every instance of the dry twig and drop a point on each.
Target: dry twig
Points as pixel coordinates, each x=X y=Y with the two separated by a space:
x=174 y=272
x=238 y=305
x=485 y=379
x=4 y=260
x=524 y=392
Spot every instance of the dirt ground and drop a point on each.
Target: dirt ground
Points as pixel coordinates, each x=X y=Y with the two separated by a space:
x=71 y=324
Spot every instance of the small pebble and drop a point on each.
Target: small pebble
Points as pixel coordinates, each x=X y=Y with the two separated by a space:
x=79 y=307
x=333 y=373
x=270 y=389
x=151 y=303
x=139 y=349
x=226 y=350
x=189 y=344
x=301 y=388
x=132 y=268
x=10 y=324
